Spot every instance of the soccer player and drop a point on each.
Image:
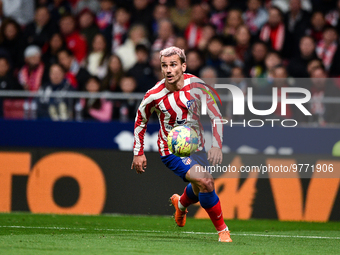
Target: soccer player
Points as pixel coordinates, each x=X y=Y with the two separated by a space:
x=170 y=99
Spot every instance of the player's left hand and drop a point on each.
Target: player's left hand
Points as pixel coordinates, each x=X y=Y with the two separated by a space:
x=215 y=156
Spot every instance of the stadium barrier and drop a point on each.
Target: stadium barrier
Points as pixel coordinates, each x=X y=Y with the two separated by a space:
x=119 y=135
x=25 y=104
x=88 y=181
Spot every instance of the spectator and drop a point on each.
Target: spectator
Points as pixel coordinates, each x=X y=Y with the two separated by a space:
x=142 y=14
x=160 y=12
x=22 y=11
x=280 y=81
x=125 y=110
x=255 y=16
x=218 y=14
x=119 y=28
x=234 y=20
x=313 y=64
x=127 y=51
x=208 y=32
x=81 y=5
x=215 y=48
x=266 y=78
x=271 y=61
x=41 y=29
x=96 y=63
x=180 y=15
x=274 y=31
x=181 y=43
x=31 y=75
x=327 y=49
x=55 y=44
x=283 y=5
x=322 y=87
x=76 y=75
x=114 y=74
x=297 y=22
x=11 y=42
x=242 y=38
x=154 y=62
x=317 y=25
x=298 y=65
x=229 y=60
x=332 y=17
x=96 y=108
x=166 y=37
x=142 y=71
x=74 y=41
x=209 y=75
x=238 y=79
x=7 y=81
x=193 y=31
x=194 y=62
x=56 y=108
x=87 y=26
x=106 y=14
x=58 y=9
x=255 y=67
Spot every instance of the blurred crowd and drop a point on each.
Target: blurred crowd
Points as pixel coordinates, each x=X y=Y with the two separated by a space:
x=113 y=45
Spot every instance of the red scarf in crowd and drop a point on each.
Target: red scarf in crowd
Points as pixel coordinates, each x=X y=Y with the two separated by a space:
x=118 y=32
x=193 y=34
x=31 y=79
x=326 y=53
x=275 y=35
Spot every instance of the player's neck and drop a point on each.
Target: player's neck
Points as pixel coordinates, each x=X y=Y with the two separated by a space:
x=175 y=86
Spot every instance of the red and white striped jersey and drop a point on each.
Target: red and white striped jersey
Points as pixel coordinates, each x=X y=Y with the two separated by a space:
x=176 y=108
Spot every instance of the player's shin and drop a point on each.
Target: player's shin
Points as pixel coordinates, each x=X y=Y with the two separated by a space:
x=211 y=203
x=187 y=198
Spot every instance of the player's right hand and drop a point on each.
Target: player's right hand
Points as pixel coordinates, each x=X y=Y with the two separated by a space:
x=139 y=164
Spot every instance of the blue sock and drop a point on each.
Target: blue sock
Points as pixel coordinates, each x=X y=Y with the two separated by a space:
x=208 y=199
x=190 y=193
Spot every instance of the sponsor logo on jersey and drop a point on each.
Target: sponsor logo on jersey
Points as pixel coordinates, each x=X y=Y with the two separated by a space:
x=180 y=122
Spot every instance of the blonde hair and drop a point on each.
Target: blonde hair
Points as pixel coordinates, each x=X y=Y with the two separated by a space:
x=167 y=52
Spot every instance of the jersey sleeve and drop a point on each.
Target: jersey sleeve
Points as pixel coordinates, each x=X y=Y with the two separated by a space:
x=143 y=114
x=217 y=130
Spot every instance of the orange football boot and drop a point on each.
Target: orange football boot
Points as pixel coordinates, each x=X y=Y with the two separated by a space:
x=224 y=236
x=180 y=216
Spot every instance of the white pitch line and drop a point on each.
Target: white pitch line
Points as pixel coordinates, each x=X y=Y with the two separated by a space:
x=182 y=232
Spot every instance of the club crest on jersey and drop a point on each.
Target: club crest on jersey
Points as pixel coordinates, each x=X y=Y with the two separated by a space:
x=190 y=103
x=186 y=161
x=180 y=122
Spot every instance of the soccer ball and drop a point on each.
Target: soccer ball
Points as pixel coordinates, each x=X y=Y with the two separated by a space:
x=182 y=141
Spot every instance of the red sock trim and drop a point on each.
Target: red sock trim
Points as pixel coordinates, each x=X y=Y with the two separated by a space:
x=216 y=216
x=185 y=200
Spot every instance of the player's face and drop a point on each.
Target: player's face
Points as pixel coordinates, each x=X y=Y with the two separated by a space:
x=172 y=68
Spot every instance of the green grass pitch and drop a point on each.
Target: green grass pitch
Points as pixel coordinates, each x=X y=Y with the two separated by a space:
x=24 y=233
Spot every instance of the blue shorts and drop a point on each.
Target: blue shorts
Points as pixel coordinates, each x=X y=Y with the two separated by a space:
x=180 y=166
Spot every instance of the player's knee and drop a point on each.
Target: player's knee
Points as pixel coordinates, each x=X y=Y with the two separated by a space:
x=206 y=184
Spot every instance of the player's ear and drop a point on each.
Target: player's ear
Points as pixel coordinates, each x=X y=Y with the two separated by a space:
x=184 y=67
